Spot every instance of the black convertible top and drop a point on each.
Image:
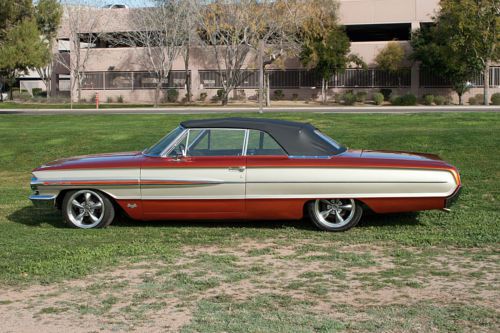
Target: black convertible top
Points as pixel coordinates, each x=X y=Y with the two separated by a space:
x=298 y=139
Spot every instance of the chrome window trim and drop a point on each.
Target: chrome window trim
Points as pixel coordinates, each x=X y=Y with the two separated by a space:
x=171 y=146
x=245 y=143
x=167 y=150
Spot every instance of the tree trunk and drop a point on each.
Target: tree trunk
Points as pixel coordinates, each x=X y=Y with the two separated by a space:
x=157 y=93
x=460 y=101
x=267 y=90
x=188 y=76
x=261 y=76
x=487 y=83
x=323 y=90
x=225 y=98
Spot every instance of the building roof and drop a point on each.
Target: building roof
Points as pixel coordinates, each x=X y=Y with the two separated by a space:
x=298 y=139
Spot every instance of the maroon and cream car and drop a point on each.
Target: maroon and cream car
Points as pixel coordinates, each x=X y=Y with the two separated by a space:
x=238 y=168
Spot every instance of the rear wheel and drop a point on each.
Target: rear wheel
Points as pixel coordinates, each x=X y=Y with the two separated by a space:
x=335 y=214
x=87 y=209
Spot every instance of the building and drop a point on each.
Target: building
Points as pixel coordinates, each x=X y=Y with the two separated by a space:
x=114 y=70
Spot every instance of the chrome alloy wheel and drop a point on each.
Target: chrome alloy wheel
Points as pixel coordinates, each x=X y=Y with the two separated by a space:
x=85 y=209
x=335 y=213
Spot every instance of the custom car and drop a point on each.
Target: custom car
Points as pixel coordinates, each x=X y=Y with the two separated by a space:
x=244 y=169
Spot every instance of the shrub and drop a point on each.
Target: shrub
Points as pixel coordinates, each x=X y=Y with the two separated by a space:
x=295 y=97
x=428 y=99
x=120 y=99
x=361 y=96
x=439 y=100
x=203 y=97
x=278 y=95
x=472 y=101
x=172 y=95
x=37 y=92
x=387 y=93
x=480 y=99
x=405 y=100
x=378 y=98
x=109 y=99
x=349 y=98
x=242 y=96
x=495 y=99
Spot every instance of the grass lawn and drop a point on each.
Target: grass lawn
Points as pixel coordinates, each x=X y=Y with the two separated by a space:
x=430 y=271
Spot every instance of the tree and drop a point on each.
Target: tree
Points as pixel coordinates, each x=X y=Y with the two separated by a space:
x=472 y=28
x=326 y=46
x=391 y=57
x=48 y=16
x=11 y=14
x=431 y=46
x=81 y=22
x=160 y=34
x=21 y=49
x=226 y=30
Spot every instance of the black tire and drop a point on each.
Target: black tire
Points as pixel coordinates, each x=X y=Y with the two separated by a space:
x=97 y=210
x=348 y=218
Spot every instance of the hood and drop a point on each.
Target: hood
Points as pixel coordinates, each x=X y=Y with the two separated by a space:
x=108 y=160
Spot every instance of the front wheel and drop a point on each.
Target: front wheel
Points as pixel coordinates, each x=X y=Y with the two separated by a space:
x=87 y=209
x=335 y=214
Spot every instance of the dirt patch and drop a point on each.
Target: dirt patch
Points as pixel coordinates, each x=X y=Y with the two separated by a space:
x=155 y=296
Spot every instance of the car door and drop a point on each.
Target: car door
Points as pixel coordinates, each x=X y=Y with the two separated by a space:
x=203 y=176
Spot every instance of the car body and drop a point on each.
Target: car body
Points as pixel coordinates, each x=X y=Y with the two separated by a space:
x=243 y=168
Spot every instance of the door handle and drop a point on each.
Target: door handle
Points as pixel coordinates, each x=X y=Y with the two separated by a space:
x=239 y=169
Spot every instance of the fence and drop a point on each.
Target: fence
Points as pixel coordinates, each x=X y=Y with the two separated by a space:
x=130 y=80
x=299 y=78
x=278 y=79
x=429 y=79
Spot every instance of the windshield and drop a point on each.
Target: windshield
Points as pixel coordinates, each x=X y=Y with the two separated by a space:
x=160 y=146
x=332 y=142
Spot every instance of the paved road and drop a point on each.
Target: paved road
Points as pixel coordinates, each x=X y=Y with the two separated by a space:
x=208 y=110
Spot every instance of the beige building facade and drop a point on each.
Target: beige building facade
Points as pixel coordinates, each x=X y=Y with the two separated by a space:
x=118 y=72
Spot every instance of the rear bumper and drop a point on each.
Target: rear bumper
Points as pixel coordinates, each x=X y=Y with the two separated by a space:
x=43 y=200
x=453 y=198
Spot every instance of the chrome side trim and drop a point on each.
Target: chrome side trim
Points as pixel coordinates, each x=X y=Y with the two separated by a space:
x=43 y=200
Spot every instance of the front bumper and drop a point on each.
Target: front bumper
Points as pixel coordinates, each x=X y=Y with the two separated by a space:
x=453 y=198
x=43 y=200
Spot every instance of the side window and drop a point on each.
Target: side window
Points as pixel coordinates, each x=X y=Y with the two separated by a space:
x=261 y=143
x=215 y=142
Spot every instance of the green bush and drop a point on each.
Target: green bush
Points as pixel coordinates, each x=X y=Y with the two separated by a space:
x=428 y=99
x=120 y=99
x=349 y=98
x=361 y=96
x=480 y=99
x=405 y=100
x=439 y=100
x=278 y=95
x=109 y=99
x=172 y=95
x=495 y=99
x=38 y=92
x=203 y=97
x=472 y=101
x=387 y=93
x=378 y=98
x=295 y=97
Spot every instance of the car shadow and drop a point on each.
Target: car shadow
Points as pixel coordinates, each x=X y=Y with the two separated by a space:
x=35 y=217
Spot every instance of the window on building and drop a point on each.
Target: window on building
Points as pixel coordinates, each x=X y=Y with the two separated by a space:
x=378 y=32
